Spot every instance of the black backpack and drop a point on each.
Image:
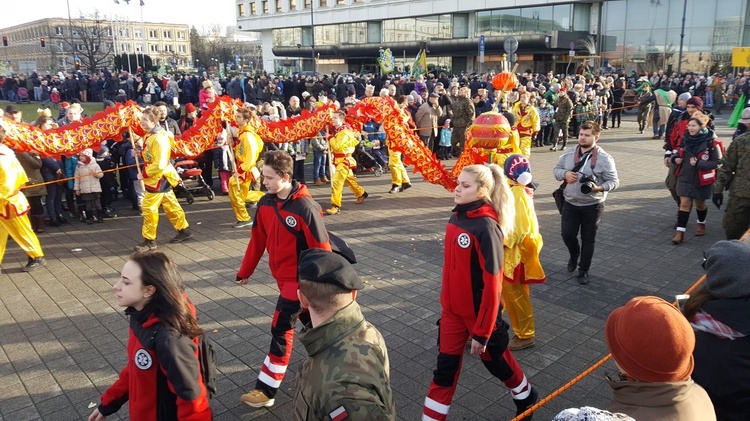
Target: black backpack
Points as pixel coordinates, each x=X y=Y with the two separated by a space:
x=206 y=359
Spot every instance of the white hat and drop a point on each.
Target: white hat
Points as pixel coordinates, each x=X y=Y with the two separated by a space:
x=745 y=116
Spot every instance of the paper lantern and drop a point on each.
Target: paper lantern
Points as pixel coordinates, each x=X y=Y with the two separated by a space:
x=490 y=131
x=505 y=81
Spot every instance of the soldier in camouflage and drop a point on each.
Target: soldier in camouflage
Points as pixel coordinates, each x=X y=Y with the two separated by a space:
x=734 y=175
x=346 y=376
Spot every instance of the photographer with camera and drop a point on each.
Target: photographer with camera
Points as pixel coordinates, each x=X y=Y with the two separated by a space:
x=590 y=173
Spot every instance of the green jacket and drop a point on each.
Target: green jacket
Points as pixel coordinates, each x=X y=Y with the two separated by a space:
x=347 y=370
x=564 y=109
x=734 y=172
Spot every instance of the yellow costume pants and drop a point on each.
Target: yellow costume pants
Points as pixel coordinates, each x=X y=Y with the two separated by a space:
x=398 y=171
x=239 y=193
x=19 y=229
x=518 y=304
x=344 y=175
x=526 y=146
x=150 y=209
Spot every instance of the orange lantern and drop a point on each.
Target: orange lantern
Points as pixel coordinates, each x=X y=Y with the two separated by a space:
x=490 y=130
x=505 y=81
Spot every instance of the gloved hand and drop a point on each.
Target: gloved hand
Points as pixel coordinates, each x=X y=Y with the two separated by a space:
x=718 y=199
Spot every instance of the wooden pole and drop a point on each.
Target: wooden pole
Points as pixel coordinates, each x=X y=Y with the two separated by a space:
x=135 y=155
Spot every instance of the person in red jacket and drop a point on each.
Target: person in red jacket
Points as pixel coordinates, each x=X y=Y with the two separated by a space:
x=286 y=222
x=162 y=379
x=470 y=296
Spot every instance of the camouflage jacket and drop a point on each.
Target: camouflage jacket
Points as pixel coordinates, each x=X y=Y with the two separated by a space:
x=346 y=376
x=463 y=112
x=564 y=109
x=734 y=172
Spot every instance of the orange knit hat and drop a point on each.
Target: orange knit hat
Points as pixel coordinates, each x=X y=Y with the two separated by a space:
x=651 y=340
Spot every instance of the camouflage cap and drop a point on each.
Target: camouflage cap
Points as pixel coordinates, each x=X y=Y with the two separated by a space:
x=318 y=265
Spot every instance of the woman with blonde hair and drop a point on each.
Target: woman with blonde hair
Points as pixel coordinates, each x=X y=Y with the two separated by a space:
x=470 y=295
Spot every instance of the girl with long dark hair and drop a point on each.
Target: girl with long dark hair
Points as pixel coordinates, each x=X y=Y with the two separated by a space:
x=162 y=379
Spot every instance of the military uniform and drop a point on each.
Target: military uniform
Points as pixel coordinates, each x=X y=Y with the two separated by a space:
x=734 y=175
x=346 y=376
x=562 y=120
x=463 y=116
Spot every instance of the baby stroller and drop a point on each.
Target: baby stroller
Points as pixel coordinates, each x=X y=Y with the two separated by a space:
x=365 y=161
x=23 y=95
x=191 y=181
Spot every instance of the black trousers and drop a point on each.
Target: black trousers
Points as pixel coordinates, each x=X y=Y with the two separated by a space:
x=586 y=219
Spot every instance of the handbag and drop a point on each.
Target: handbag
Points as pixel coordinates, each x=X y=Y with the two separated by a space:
x=338 y=245
x=706 y=177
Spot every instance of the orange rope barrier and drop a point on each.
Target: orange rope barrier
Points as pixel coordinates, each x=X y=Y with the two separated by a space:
x=588 y=371
x=74 y=177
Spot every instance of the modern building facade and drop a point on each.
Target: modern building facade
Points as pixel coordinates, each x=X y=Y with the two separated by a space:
x=165 y=43
x=635 y=35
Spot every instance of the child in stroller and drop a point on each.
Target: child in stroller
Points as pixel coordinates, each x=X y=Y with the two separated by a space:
x=23 y=95
x=191 y=180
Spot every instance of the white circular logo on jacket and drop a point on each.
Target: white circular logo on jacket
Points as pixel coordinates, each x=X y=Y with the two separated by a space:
x=464 y=241
x=291 y=221
x=143 y=359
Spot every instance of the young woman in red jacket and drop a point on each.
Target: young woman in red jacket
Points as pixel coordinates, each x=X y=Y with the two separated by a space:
x=162 y=379
x=470 y=295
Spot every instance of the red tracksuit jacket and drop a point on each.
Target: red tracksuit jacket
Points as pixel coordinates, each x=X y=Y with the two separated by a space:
x=299 y=212
x=162 y=380
x=473 y=267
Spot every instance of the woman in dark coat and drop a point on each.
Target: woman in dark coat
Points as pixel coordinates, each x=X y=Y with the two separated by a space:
x=32 y=165
x=719 y=311
x=697 y=155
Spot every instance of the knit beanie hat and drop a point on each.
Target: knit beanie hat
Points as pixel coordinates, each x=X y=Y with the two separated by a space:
x=728 y=269
x=685 y=96
x=696 y=101
x=651 y=340
x=518 y=169
x=88 y=152
x=189 y=108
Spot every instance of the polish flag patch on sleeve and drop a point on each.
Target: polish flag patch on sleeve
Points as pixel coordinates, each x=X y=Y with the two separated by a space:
x=339 y=414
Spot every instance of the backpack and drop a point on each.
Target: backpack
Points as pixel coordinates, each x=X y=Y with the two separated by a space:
x=169 y=96
x=207 y=362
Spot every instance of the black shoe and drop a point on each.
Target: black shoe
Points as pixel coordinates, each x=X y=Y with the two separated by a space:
x=146 y=245
x=572 y=263
x=182 y=235
x=90 y=221
x=583 y=277
x=554 y=148
x=405 y=186
x=394 y=189
x=524 y=404
x=34 y=264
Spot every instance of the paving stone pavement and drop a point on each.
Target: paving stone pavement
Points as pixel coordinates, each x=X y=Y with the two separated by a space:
x=62 y=338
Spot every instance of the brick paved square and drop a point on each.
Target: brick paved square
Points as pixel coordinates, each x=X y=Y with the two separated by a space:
x=62 y=338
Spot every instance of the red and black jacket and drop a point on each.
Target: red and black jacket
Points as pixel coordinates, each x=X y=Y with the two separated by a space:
x=473 y=267
x=300 y=213
x=162 y=380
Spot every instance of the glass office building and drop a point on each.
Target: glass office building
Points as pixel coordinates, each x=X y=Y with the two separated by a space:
x=640 y=35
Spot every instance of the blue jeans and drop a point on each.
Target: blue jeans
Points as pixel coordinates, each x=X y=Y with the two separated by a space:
x=319 y=165
x=12 y=96
x=658 y=127
x=54 y=200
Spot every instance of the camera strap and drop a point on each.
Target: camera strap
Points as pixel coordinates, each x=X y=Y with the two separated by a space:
x=592 y=155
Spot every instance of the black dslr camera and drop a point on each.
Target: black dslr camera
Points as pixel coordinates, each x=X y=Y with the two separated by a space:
x=588 y=182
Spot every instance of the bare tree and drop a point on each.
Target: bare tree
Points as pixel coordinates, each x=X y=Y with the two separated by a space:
x=90 y=39
x=210 y=46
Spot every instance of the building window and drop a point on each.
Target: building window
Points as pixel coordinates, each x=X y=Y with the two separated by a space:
x=339 y=2
x=180 y=35
x=79 y=47
x=125 y=48
x=138 y=48
x=323 y=3
x=124 y=33
x=167 y=34
x=308 y=4
x=265 y=6
x=278 y=6
x=182 y=48
x=292 y=5
x=137 y=33
x=240 y=10
x=253 y=9
x=153 y=48
x=58 y=30
x=108 y=32
x=168 y=48
x=153 y=34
